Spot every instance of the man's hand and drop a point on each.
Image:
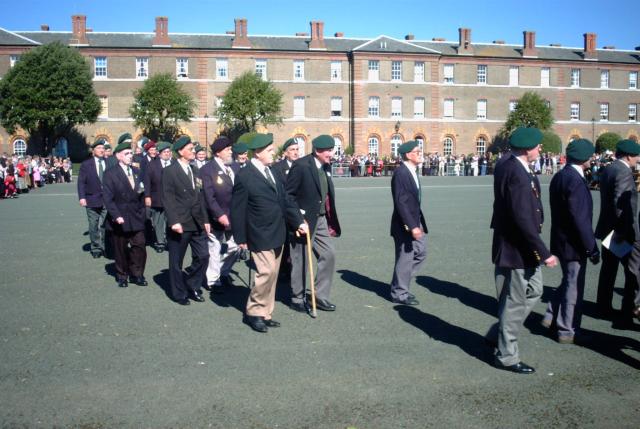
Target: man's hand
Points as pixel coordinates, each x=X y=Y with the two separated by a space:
x=83 y=202
x=595 y=256
x=120 y=220
x=147 y=201
x=303 y=229
x=207 y=228
x=224 y=221
x=417 y=233
x=243 y=246
x=177 y=228
x=551 y=261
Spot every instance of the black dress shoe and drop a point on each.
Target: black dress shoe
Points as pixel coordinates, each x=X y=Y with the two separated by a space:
x=272 y=323
x=519 y=368
x=299 y=307
x=184 y=301
x=197 y=297
x=123 y=283
x=407 y=301
x=324 y=305
x=256 y=323
x=206 y=287
x=140 y=281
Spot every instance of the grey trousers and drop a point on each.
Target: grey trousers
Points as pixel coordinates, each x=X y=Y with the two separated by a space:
x=410 y=255
x=159 y=222
x=322 y=245
x=96 y=218
x=518 y=290
x=566 y=305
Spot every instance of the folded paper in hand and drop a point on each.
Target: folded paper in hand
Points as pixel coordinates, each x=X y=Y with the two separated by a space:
x=618 y=247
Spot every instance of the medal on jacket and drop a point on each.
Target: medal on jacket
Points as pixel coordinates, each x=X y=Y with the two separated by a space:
x=219 y=180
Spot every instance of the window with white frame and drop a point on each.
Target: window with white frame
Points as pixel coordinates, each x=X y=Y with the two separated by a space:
x=104 y=104
x=336 y=106
x=633 y=112
x=374 y=107
x=298 y=107
x=13 y=59
x=514 y=72
x=222 y=69
x=513 y=104
x=373 y=145
x=481 y=109
x=418 y=107
x=481 y=145
x=298 y=70
x=545 y=77
x=481 y=74
x=182 y=68
x=604 y=78
x=142 y=67
x=337 y=146
x=448 y=73
x=448 y=108
x=396 y=141
x=575 y=78
x=396 y=70
x=575 y=111
x=604 y=111
x=418 y=71
x=261 y=69
x=447 y=146
x=336 y=71
x=396 y=107
x=20 y=147
x=374 y=70
x=100 y=67
x=633 y=80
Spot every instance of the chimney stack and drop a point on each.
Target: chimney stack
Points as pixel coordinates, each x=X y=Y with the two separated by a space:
x=590 y=46
x=464 y=46
x=44 y=27
x=409 y=37
x=529 y=44
x=339 y=34
x=79 y=25
x=317 y=35
x=162 y=32
x=241 y=40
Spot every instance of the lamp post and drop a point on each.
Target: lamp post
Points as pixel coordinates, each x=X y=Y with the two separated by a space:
x=593 y=130
x=206 y=133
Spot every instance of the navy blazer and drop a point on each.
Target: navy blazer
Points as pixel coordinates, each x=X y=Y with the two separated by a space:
x=89 y=186
x=407 y=213
x=182 y=203
x=123 y=201
x=618 y=203
x=218 y=188
x=153 y=182
x=281 y=168
x=572 y=236
x=517 y=217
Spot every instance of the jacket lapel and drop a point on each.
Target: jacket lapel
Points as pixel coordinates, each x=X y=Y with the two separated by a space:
x=315 y=174
x=261 y=177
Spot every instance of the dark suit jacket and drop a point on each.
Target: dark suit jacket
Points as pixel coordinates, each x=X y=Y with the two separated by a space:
x=144 y=164
x=89 y=186
x=111 y=161
x=182 y=203
x=618 y=203
x=517 y=217
x=217 y=188
x=571 y=216
x=258 y=211
x=153 y=182
x=123 y=201
x=281 y=169
x=303 y=188
x=407 y=213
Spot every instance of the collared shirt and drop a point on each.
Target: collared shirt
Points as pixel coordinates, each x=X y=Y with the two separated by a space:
x=412 y=169
x=525 y=164
x=126 y=169
x=318 y=163
x=260 y=166
x=165 y=163
x=225 y=168
x=289 y=163
x=97 y=162
x=578 y=169
x=625 y=163
x=187 y=170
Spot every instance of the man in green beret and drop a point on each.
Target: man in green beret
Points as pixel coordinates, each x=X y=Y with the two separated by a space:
x=240 y=154
x=310 y=187
x=518 y=250
x=619 y=219
x=201 y=155
x=109 y=159
x=90 y=196
x=290 y=154
x=572 y=240
x=153 y=195
x=188 y=223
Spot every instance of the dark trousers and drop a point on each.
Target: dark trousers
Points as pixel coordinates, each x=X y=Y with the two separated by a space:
x=631 y=264
x=607 y=280
x=130 y=254
x=183 y=284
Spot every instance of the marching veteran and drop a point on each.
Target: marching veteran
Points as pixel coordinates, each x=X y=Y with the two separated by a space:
x=153 y=195
x=517 y=251
x=90 y=179
x=290 y=152
x=408 y=227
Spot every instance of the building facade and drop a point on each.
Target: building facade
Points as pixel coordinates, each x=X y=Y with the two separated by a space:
x=373 y=94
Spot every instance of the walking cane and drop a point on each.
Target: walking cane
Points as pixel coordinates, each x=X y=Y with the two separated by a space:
x=311 y=277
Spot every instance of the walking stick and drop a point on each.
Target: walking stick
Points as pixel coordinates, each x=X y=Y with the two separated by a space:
x=311 y=277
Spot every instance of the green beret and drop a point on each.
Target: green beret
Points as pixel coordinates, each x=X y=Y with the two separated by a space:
x=98 y=142
x=288 y=143
x=261 y=140
x=407 y=147
x=323 y=142
x=121 y=147
x=199 y=148
x=580 y=150
x=525 y=138
x=628 y=147
x=246 y=138
x=143 y=141
x=163 y=145
x=181 y=142
x=107 y=146
x=240 y=147
x=124 y=138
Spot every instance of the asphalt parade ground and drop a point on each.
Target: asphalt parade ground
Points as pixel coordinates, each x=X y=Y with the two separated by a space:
x=77 y=351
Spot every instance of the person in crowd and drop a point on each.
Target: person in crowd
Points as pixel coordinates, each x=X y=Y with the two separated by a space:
x=240 y=152
x=290 y=152
x=90 y=179
x=153 y=195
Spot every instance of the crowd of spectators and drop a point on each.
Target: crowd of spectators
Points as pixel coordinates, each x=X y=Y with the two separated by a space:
x=22 y=174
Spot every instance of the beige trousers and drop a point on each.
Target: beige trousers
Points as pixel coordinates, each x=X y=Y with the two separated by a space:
x=263 y=294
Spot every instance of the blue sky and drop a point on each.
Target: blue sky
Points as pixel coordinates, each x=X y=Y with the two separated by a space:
x=559 y=21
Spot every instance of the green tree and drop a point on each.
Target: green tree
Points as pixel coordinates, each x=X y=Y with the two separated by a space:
x=159 y=106
x=531 y=111
x=47 y=93
x=607 y=141
x=249 y=101
x=551 y=142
